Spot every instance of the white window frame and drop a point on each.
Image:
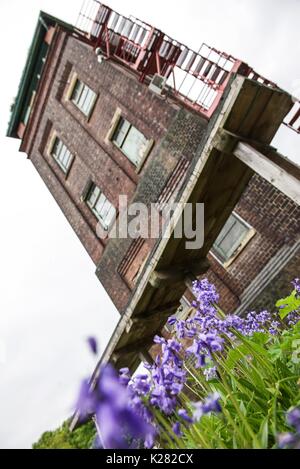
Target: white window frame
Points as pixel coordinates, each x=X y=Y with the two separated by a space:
x=244 y=241
x=107 y=214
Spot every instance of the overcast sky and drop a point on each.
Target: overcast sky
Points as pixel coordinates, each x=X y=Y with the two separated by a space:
x=50 y=299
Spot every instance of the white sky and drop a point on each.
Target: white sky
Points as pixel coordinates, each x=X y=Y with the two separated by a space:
x=50 y=299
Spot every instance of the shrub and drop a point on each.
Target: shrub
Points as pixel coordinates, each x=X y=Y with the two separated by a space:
x=62 y=438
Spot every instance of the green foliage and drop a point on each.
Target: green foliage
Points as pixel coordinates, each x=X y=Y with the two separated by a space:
x=62 y=438
x=289 y=304
x=258 y=382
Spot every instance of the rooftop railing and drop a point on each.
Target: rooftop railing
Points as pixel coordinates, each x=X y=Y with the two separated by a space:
x=198 y=79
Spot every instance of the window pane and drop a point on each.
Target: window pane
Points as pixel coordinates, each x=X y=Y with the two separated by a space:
x=94 y=193
x=99 y=205
x=83 y=97
x=57 y=147
x=230 y=238
x=89 y=101
x=134 y=145
x=66 y=158
x=110 y=217
x=77 y=91
x=226 y=228
x=121 y=131
x=61 y=154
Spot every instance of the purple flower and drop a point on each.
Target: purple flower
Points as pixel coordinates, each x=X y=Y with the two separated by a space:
x=210 y=373
x=92 y=342
x=86 y=401
x=206 y=295
x=198 y=411
x=293 y=318
x=170 y=350
x=124 y=376
x=185 y=416
x=120 y=425
x=296 y=285
x=141 y=384
x=293 y=418
x=287 y=440
x=150 y=439
x=214 y=342
x=181 y=329
x=211 y=404
x=172 y=320
x=177 y=429
x=161 y=399
x=159 y=340
x=274 y=327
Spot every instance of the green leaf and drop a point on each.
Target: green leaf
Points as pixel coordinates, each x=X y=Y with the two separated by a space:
x=288 y=305
x=264 y=433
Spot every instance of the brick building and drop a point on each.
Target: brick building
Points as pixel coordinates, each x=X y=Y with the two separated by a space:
x=95 y=127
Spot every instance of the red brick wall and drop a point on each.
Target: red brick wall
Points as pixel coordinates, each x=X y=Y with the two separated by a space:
x=107 y=166
x=176 y=133
x=276 y=220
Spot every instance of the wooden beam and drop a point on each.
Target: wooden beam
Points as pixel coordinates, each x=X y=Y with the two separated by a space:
x=136 y=346
x=178 y=273
x=164 y=310
x=269 y=170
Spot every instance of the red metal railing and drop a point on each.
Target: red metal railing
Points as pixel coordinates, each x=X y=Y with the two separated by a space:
x=292 y=120
x=198 y=79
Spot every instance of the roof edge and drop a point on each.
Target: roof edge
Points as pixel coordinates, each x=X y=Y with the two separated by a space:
x=44 y=20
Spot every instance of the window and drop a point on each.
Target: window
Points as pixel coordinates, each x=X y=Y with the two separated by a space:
x=83 y=97
x=233 y=237
x=100 y=206
x=61 y=154
x=130 y=141
x=182 y=313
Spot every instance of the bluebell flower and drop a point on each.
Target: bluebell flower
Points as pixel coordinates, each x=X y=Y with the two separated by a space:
x=210 y=373
x=177 y=429
x=296 y=285
x=293 y=418
x=120 y=425
x=210 y=404
x=86 y=402
x=172 y=320
x=124 y=376
x=141 y=384
x=185 y=416
x=274 y=328
x=286 y=440
x=92 y=342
